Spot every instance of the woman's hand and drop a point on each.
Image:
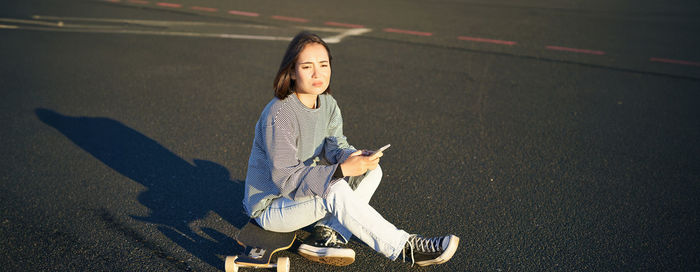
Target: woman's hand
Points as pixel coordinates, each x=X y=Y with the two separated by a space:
x=358 y=163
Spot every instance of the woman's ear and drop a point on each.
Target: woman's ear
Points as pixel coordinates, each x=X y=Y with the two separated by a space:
x=293 y=74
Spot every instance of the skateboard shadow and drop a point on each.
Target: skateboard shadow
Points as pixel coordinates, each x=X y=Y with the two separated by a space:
x=178 y=193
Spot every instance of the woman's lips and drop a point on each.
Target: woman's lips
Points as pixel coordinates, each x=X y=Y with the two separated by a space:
x=317 y=84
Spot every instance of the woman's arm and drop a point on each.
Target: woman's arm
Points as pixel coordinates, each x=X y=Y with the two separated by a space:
x=337 y=148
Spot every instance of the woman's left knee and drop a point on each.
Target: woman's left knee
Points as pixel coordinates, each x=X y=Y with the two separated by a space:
x=377 y=172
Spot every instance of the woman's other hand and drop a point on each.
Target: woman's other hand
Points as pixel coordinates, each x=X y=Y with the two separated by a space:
x=360 y=162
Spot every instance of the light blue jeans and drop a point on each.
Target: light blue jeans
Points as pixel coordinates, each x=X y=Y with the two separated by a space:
x=345 y=210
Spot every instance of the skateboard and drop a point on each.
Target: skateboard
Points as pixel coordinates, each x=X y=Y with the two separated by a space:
x=260 y=245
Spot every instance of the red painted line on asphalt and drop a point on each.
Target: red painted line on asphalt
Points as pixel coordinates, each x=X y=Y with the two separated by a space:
x=204 y=9
x=290 y=19
x=575 y=50
x=672 y=61
x=243 y=13
x=344 y=25
x=410 y=32
x=484 y=40
x=169 y=5
x=138 y=2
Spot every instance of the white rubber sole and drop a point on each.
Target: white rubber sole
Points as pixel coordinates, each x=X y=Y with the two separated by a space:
x=326 y=255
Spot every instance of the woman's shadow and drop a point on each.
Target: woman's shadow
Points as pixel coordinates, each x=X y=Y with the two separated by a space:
x=178 y=193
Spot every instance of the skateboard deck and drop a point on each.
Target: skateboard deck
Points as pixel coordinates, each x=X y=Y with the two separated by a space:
x=260 y=246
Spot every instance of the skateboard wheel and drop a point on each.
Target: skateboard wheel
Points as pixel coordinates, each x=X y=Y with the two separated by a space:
x=230 y=265
x=283 y=264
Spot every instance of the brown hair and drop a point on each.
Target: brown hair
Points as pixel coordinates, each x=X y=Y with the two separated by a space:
x=284 y=83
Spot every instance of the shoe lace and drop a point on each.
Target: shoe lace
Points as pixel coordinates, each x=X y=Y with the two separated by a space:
x=428 y=245
x=420 y=244
x=331 y=238
x=327 y=237
x=410 y=245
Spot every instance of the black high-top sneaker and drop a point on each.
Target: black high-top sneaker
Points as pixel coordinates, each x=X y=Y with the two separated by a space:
x=429 y=251
x=325 y=245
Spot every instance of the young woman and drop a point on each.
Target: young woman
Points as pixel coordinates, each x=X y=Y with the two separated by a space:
x=302 y=170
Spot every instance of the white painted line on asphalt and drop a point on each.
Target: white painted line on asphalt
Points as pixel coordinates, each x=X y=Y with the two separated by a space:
x=102 y=28
x=58 y=23
x=159 y=33
x=323 y=29
x=349 y=32
x=147 y=22
x=8 y=26
x=32 y=22
x=409 y=32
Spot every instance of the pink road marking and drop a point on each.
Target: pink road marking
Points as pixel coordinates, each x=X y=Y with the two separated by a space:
x=243 y=13
x=575 y=50
x=681 y=62
x=204 y=9
x=410 y=32
x=290 y=19
x=138 y=2
x=475 y=39
x=344 y=25
x=168 y=5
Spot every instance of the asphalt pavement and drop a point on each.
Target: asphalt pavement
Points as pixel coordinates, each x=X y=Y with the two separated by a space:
x=547 y=135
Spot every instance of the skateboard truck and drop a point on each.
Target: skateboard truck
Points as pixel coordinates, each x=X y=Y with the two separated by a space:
x=260 y=246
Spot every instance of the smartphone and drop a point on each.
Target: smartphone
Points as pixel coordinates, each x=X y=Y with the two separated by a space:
x=381 y=149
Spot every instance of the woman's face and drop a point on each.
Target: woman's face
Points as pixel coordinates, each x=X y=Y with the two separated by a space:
x=312 y=72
